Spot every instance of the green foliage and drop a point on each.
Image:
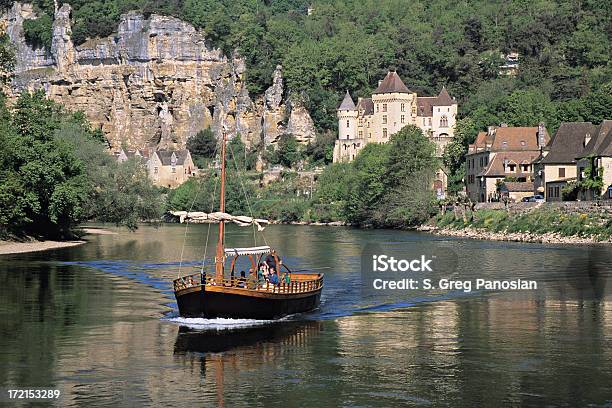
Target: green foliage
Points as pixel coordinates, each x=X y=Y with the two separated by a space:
x=288 y=152
x=538 y=221
x=7 y=58
x=38 y=32
x=202 y=147
x=58 y=173
x=47 y=188
x=202 y=194
x=239 y=156
x=321 y=150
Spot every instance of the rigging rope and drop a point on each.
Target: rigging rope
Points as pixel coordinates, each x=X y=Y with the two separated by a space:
x=247 y=199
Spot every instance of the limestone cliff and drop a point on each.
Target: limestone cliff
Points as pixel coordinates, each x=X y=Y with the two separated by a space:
x=155 y=83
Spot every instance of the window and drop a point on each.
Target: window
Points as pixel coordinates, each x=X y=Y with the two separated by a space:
x=414 y=110
x=361 y=134
x=402 y=119
x=376 y=107
x=384 y=107
x=429 y=121
x=525 y=168
x=444 y=121
x=561 y=172
x=174 y=169
x=348 y=124
x=384 y=119
x=360 y=121
x=423 y=121
x=156 y=170
x=403 y=107
x=384 y=132
x=511 y=168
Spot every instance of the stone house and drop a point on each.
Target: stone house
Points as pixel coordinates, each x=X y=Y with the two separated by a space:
x=170 y=168
x=598 y=153
x=503 y=155
x=557 y=164
x=391 y=107
x=123 y=155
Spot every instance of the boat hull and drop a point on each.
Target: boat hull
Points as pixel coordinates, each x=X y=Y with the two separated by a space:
x=235 y=305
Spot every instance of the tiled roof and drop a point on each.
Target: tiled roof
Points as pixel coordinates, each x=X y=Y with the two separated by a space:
x=425 y=105
x=366 y=105
x=600 y=143
x=496 y=165
x=444 y=98
x=392 y=84
x=347 y=103
x=518 y=186
x=517 y=138
x=568 y=142
x=166 y=156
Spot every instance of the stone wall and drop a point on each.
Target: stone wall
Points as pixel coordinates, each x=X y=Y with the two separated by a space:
x=563 y=206
x=155 y=83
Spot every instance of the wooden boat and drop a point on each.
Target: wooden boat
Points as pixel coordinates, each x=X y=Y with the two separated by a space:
x=249 y=297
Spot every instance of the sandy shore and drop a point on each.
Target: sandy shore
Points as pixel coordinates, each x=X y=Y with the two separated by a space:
x=7 y=247
x=13 y=247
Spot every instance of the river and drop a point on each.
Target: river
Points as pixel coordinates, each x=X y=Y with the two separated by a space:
x=99 y=322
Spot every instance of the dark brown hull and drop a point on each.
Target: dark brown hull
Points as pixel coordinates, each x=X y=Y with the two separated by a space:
x=196 y=302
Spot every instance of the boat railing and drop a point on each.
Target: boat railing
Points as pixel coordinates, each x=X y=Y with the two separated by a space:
x=299 y=285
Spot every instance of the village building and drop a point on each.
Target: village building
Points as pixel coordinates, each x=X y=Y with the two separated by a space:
x=124 y=155
x=391 y=107
x=557 y=166
x=170 y=168
x=597 y=155
x=500 y=162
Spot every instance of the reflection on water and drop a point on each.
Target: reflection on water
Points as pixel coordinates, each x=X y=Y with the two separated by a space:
x=99 y=322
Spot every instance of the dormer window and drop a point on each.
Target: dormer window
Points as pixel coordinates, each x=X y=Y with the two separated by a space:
x=504 y=144
x=523 y=143
x=173 y=159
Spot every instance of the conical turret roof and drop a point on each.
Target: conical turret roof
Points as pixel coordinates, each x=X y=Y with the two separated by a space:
x=347 y=103
x=444 y=98
x=392 y=84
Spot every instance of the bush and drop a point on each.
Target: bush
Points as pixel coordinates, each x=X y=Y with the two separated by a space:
x=38 y=33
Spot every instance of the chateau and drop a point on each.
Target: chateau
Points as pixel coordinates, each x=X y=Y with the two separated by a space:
x=391 y=107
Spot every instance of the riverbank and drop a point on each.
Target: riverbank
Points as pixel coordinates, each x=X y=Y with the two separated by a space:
x=33 y=245
x=542 y=224
x=482 y=234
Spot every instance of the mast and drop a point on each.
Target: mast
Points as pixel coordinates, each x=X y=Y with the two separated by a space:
x=219 y=257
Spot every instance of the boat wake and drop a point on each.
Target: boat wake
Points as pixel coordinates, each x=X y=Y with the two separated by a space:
x=217 y=324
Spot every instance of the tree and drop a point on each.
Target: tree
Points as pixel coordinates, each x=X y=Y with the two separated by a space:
x=202 y=146
x=289 y=151
x=47 y=187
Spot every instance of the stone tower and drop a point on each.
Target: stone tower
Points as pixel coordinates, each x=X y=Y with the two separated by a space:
x=347 y=118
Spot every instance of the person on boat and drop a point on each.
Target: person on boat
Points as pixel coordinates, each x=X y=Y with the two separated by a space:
x=274 y=278
x=242 y=280
x=271 y=262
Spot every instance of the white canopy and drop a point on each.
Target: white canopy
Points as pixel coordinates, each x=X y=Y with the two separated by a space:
x=248 y=251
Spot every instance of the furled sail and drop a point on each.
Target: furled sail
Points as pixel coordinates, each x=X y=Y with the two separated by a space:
x=248 y=251
x=240 y=220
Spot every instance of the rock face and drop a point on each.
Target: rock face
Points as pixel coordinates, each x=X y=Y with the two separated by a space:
x=155 y=83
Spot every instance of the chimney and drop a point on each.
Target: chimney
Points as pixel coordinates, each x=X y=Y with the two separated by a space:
x=491 y=130
x=503 y=125
x=541 y=135
x=379 y=82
